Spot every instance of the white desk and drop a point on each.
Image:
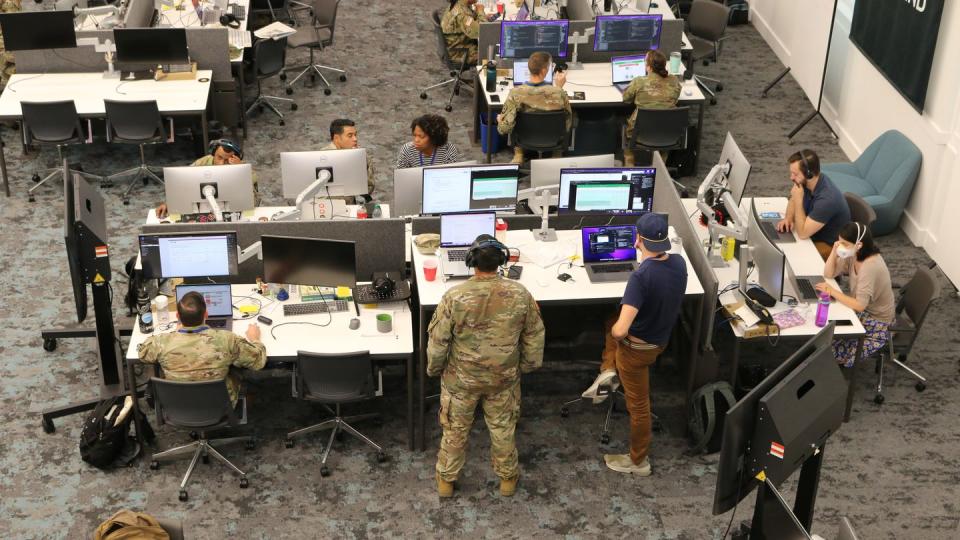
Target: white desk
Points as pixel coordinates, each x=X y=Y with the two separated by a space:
x=265 y=213
x=187 y=18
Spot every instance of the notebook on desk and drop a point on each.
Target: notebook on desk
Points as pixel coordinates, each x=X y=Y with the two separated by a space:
x=626 y=68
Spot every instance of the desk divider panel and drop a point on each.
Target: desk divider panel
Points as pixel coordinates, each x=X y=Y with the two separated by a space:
x=380 y=242
x=139 y=14
x=564 y=222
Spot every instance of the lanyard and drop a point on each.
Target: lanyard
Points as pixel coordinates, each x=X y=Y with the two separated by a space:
x=432 y=158
x=195 y=330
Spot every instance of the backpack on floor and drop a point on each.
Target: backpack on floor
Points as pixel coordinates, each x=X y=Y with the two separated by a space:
x=708 y=409
x=739 y=12
x=102 y=441
x=130 y=525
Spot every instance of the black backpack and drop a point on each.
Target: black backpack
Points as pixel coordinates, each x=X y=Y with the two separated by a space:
x=708 y=409
x=102 y=442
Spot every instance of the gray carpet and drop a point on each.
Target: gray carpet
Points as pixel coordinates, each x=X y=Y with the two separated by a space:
x=893 y=469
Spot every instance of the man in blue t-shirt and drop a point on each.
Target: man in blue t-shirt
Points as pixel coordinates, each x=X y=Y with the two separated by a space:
x=639 y=333
x=817 y=209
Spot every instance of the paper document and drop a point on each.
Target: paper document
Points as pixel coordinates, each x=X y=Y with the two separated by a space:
x=546 y=254
x=275 y=30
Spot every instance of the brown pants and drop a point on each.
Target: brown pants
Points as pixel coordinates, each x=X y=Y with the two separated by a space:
x=632 y=360
x=824 y=249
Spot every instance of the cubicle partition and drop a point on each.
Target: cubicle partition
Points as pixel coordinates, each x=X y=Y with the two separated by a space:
x=380 y=242
x=139 y=14
x=559 y=222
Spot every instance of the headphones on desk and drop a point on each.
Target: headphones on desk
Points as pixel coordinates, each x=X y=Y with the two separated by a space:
x=227 y=19
x=226 y=144
x=485 y=241
x=806 y=170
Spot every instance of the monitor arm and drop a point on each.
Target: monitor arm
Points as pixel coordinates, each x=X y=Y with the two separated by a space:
x=306 y=196
x=577 y=40
x=545 y=234
x=716 y=181
x=107 y=47
x=210 y=194
x=253 y=250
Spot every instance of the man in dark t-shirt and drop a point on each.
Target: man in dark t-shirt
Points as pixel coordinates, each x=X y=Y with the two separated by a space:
x=817 y=209
x=639 y=333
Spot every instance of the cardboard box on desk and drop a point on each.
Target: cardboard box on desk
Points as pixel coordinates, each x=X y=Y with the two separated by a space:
x=758 y=330
x=161 y=75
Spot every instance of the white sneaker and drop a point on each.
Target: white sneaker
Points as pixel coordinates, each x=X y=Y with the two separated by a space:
x=604 y=379
x=622 y=463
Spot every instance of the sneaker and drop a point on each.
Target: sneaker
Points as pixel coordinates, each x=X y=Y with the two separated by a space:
x=623 y=463
x=604 y=379
x=508 y=486
x=444 y=488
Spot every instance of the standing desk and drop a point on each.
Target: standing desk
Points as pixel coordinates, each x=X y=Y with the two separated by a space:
x=541 y=282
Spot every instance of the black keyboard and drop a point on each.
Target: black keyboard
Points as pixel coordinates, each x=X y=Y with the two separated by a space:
x=366 y=294
x=240 y=12
x=310 y=308
x=608 y=268
x=457 y=254
x=770 y=229
x=805 y=289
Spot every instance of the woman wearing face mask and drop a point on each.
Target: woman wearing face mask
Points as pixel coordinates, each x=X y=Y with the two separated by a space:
x=871 y=294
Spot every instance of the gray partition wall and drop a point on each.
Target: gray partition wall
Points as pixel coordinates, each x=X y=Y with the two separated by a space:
x=380 y=242
x=559 y=222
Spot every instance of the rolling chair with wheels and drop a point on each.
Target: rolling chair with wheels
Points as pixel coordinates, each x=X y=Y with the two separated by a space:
x=317 y=35
x=707 y=23
x=613 y=393
x=139 y=123
x=541 y=131
x=199 y=406
x=860 y=210
x=52 y=123
x=269 y=57
x=658 y=130
x=912 y=307
x=335 y=379
x=456 y=67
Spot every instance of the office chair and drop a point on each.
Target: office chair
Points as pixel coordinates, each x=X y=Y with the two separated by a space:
x=335 y=379
x=860 y=210
x=318 y=35
x=199 y=406
x=612 y=397
x=52 y=123
x=541 y=131
x=912 y=307
x=656 y=130
x=139 y=123
x=455 y=67
x=707 y=22
x=271 y=7
x=269 y=57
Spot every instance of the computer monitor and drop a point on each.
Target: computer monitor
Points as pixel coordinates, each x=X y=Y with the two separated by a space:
x=546 y=172
x=32 y=30
x=521 y=73
x=623 y=190
x=739 y=167
x=151 y=45
x=768 y=261
x=520 y=39
x=232 y=186
x=347 y=168
x=734 y=478
x=217 y=296
x=309 y=261
x=85 y=237
x=480 y=188
x=187 y=255
x=408 y=188
x=609 y=243
x=639 y=33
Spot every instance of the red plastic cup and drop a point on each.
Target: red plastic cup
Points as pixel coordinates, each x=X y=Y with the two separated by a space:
x=430 y=269
x=500 y=7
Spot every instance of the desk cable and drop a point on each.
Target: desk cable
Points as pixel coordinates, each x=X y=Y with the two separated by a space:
x=329 y=320
x=64 y=58
x=734 y=512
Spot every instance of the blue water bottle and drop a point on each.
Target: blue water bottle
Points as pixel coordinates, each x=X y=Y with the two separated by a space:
x=823 y=307
x=491 y=85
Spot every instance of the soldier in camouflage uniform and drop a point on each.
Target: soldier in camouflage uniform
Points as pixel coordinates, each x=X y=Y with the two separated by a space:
x=484 y=334
x=343 y=136
x=7 y=65
x=195 y=352
x=658 y=90
x=535 y=95
x=461 y=28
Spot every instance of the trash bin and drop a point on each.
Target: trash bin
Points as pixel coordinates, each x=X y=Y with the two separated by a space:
x=497 y=142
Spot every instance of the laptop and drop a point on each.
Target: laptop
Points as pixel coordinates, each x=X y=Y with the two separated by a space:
x=457 y=233
x=769 y=227
x=521 y=73
x=804 y=286
x=219 y=301
x=626 y=68
x=609 y=254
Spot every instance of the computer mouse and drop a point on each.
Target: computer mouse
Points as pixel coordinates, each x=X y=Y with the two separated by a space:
x=354 y=323
x=688 y=92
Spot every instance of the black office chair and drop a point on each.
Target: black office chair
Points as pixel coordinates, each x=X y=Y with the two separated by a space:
x=317 y=34
x=335 y=379
x=269 y=57
x=614 y=396
x=52 y=123
x=271 y=8
x=912 y=307
x=541 y=131
x=657 y=130
x=199 y=406
x=707 y=23
x=456 y=67
x=860 y=210
x=139 y=123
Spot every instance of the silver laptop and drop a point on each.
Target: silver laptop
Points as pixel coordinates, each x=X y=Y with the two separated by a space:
x=769 y=227
x=407 y=188
x=626 y=68
x=609 y=254
x=457 y=233
x=219 y=302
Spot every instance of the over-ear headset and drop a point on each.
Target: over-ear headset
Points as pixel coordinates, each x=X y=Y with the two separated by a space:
x=807 y=172
x=485 y=241
x=384 y=285
x=227 y=19
x=225 y=143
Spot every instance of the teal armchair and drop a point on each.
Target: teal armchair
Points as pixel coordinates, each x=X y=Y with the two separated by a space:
x=884 y=175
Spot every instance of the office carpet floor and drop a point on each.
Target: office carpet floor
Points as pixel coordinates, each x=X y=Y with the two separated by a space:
x=892 y=469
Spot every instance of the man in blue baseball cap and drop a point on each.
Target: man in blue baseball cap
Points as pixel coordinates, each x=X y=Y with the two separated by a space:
x=639 y=332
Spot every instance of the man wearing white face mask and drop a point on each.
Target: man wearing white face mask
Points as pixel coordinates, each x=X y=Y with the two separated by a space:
x=871 y=295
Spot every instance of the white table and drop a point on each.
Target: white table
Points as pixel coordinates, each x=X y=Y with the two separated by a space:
x=184 y=16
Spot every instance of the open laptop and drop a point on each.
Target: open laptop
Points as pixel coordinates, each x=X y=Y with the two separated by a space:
x=769 y=227
x=804 y=286
x=521 y=73
x=219 y=301
x=609 y=254
x=626 y=68
x=457 y=233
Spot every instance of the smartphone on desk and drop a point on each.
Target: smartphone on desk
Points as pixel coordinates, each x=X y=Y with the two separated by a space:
x=494 y=98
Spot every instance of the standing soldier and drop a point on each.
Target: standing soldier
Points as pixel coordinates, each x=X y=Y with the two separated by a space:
x=461 y=29
x=535 y=95
x=657 y=90
x=484 y=334
x=7 y=64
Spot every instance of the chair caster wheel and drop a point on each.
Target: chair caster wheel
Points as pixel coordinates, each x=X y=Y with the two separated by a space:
x=48 y=426
x=288 y=443
x=35 y=178
x=324 y=471
x=282 y=123
x=283 y=76
x=564 y=412
x=713 y=101
x=289 y=91
x=423 y=95
x=31 y=198
x=920 y=386
x=456 y=91
x=154 y=465
x=244 y=483
x=327 y=91
x=381 y=457
x=49 y=344
x=719 y=88
x=183 y=495
x=448 y=108
x=343 y=78
x=260 y=109
x=657 y=427
x=605 y=438
x=706 y=62
x=293 y=106
x=878 y=399
x=126 y=202
x=205 y=459
x=145 y=181
x=194 y=435
x=250 y=445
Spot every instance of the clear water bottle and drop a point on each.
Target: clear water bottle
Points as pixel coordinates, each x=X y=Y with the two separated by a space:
x=144 y=314
x=377 y=212
x=823 y=308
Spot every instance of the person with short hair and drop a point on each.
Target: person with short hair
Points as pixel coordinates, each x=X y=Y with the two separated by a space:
x=344 y=136
x=483 y=335
x=196 y=352
x=219 y=152
x=535 y=95
x=817 y=209
x=871 y=293
x=658 y=89
x=461 y=29
x=429 y=145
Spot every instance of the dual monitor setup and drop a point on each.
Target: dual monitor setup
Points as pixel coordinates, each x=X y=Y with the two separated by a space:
x=612 y=33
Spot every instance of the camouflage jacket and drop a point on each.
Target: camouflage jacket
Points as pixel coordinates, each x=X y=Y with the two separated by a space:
x=200 y=353
x=484 y=334
x=370 y=170
x=527 y=97
x=461 y=29
x=653 y=91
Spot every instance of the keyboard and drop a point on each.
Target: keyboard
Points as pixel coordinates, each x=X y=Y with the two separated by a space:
x=366 y=294
x=311 y=308
x=608 y=268
x=239 y=38
x=805 y=289
x=770 y=229
x=457 y=254
x=240 y=12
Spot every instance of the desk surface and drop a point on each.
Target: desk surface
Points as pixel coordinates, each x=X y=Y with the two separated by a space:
x=264 y=213
x=542 y=282
x=336 y=336
x=88 y=90
x=187 y=18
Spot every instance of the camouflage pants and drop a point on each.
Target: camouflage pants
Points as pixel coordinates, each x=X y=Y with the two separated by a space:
x=501 y=409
